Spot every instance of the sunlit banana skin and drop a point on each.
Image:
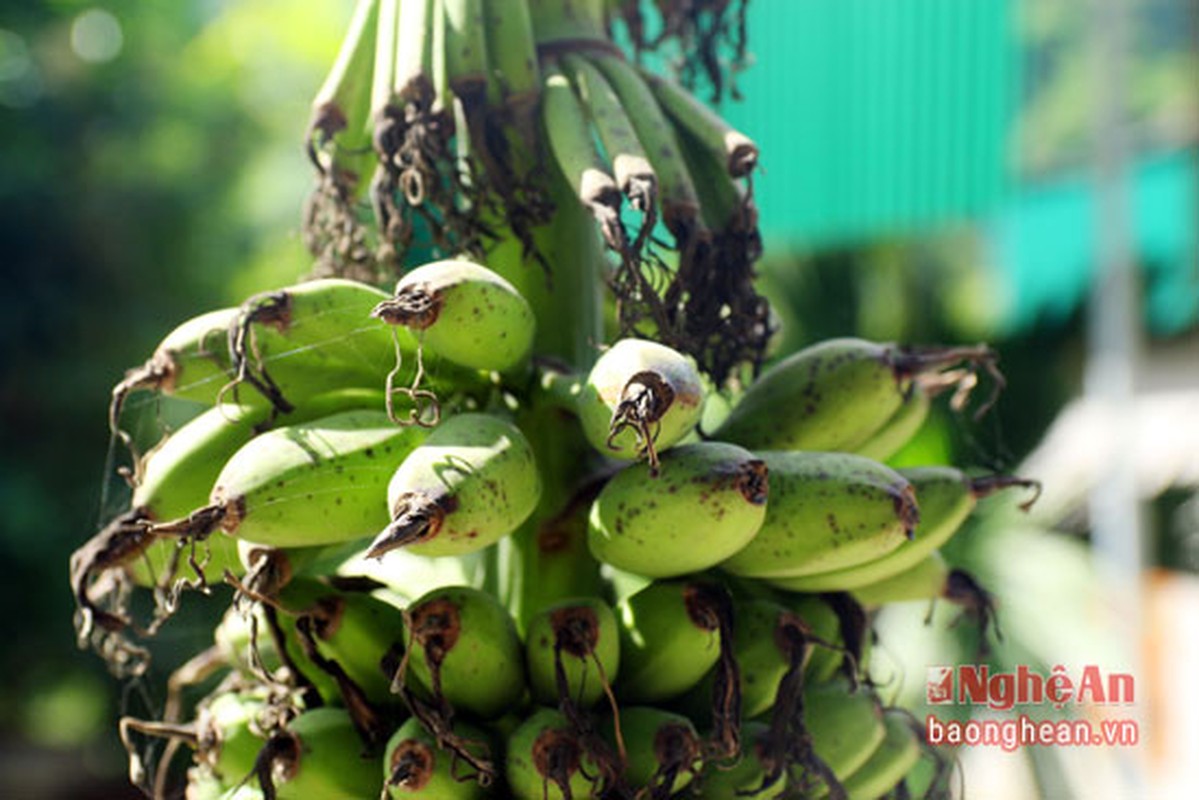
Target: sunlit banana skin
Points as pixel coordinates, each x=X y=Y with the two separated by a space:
x=836 y=395
x=191 y=362
x=581 y=634
x=630 y=163
x=669 y=637
x=320 y=482
x=323 y=322
x=946 y=496
x=472 y=482
x=887 y=766
x=178 y=476
x=463 y=312
x=546 y=761
x=319 y=754
x=640 y=398
x=827 y=511
x=466 y=639
x=414 y=765
x=707 y=504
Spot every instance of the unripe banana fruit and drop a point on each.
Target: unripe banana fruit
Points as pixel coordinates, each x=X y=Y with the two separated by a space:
x=352 y=628
x=463 y=647
x=902 y=426
x=762 y=648
x=464 y=313
x=320 y=482
x=670 y=637
x=846 y=726
x=664 y=750
x=894 y=758
x=581 y=636
x=946 y=496
x=640 y=398
x=827 y=511
x=225 y=727
x=925 y=580
x=546 y=761
x=707 y=504
x=835 y=395
x=318 y=754
x=178 y=475
x=745 y=777
x=472 y=482
x=414 y=765
x=191 y=362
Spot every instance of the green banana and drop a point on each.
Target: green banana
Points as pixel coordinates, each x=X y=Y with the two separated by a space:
x=846 y=725
x=178 y=475
x=946 y=496
x=744 y=777
x=640 y=398
x=572 y=144
x=546 y=761
x=351 y=628
x=901 y=428
x=846 y=729
x=664 y=751
x=630 y=163
x=338 y=136
x=827 y=511
x=294 y=342
x=677 y=195
x=463 y=650
x=736 y=151
x=572 y=651
x=834 y=395
x=763 y=652
x=318 y=754
x=464 y=313
x=414 y=764
x=192 y=362
x=472 y=482
x=227 y=744
x=670 y=636
x=833 y=638
x=318 y=482
x=887 y=766
x=707 y=504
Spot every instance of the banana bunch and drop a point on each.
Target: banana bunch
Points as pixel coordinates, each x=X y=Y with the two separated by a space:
x=477 y=548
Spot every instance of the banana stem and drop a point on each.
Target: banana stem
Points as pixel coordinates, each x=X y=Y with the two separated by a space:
x=567 y=21
x=988 y=485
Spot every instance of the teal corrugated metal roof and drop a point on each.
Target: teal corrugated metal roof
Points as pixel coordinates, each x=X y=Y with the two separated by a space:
x=1045 y=244
x=877 y=116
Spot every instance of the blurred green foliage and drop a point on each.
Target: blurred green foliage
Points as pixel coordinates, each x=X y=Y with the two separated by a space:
x=151 y=167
